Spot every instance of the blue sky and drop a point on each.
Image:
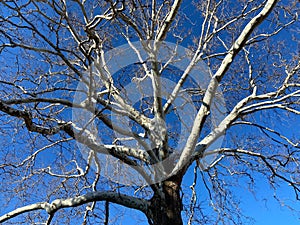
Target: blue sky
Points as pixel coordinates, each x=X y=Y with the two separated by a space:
x=262 y=206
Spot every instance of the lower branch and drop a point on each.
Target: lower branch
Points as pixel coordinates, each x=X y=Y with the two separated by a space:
x=51 y=208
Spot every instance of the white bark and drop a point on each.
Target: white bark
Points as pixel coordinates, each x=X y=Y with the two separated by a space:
x=212 y=87
x=168 y=21
x=51 y=208
x=89 y=47
x=83 y=136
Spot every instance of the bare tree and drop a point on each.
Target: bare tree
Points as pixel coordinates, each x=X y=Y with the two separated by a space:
x=76 y=139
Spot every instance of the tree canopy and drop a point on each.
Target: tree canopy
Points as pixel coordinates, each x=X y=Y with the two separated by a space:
x=170 y=108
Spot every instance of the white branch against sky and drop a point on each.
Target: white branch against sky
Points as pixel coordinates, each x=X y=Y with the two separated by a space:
x=212 y=87
x=51 y=208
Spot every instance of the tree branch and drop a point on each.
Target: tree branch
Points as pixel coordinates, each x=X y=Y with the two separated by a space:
x=51 y=208
x=168 y=21
x=212 y=87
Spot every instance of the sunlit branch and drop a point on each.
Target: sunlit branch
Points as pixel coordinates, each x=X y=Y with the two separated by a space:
x=212 y=87
x=54 y=206
x=271 y=104
x=107 y=79
x=163 y=30
x=70 y=128
x=266 y=129
x=194 y=197
x=261 y=37
x=267 y=161
x=98 y=114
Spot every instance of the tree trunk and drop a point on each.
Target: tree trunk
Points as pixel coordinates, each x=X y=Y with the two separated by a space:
x=166 y=210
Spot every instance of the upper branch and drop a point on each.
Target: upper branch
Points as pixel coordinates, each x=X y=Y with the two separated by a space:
x=168 y=21
x=216 y=79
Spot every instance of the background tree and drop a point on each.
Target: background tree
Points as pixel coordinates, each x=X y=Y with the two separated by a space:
x=49 y=47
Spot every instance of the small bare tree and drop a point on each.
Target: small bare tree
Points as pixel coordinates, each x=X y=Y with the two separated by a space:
x=100 y=103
